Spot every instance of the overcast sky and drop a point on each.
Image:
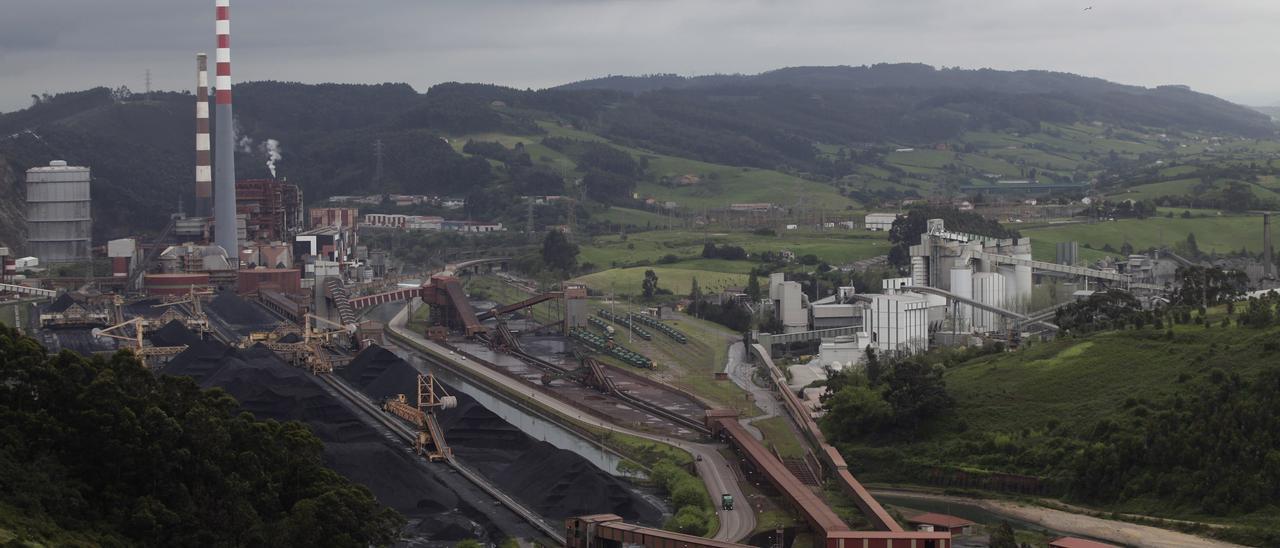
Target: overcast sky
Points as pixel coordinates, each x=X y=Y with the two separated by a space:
x=1224 y=47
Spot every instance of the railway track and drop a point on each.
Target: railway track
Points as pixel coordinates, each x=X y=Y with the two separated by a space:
x=648 y=407
x=407 y=434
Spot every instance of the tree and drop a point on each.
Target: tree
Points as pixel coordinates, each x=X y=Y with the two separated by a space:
x=916 y=391
x=753 y=288
x=873 y=366
x=106 y=448
x=650 y=284
x=558 y=252
x=855 y=411
x=695 y=296
x=1003 y=537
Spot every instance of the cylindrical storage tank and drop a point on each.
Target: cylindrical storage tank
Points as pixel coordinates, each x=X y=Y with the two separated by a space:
x=174 y=284
x=920 y=271
x=1024 y=283
x=988 y=289
x=59 y=223
x=962 y=286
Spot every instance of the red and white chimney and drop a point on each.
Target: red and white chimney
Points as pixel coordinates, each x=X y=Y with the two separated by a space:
x=204 y=169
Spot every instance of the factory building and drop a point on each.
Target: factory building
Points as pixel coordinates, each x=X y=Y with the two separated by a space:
x=789 y=303
x=59 y=223
x=936 y=260
x=898 y=323
x=333 y=216
x=880 y=221
x=271 y=208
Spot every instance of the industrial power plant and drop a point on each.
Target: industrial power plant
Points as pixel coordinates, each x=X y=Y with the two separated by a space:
x=495 y=385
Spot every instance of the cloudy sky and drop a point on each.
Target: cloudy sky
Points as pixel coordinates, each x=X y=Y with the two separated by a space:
x=1224 y=47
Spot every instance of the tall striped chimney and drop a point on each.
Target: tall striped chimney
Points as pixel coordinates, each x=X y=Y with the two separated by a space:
x=224 y=196
x=204 y=171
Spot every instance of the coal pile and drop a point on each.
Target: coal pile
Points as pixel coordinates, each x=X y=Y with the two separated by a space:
x=290 y=338
x=380 y=374
x=240 y=313
x=561 y=484
x=554 y=482
x=270 y=389
x=174 y=333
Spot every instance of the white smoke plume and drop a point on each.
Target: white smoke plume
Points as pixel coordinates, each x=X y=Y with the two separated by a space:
x=244 y=143
x=272 y=148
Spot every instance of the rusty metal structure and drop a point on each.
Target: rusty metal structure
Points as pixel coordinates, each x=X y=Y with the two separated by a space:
x=430 y=441
x=132 y=332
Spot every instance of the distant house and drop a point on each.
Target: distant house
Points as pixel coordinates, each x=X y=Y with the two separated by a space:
x=787 y=254
x=453 y=203
x=1073 y=542
x=932 y=522
x=880 y=221
x=904 y=150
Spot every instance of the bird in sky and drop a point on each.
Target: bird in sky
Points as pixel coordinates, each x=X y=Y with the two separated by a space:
x=1088 y=8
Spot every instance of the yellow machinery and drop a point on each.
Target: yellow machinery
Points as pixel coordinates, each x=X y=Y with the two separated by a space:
x=146 y=354
x=431 y=397
x=312 y=352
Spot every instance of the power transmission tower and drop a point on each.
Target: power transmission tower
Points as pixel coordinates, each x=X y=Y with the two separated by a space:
x=377 y=156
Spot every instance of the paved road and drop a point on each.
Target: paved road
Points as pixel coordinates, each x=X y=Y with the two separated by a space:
x=743 y=375
x=713 y=468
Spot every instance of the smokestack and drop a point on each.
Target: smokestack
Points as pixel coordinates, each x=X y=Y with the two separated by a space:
x=224 y=205
x=1268 y=269
x=204 y=171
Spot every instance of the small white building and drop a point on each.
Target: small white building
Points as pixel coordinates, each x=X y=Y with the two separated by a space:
x=880 y=221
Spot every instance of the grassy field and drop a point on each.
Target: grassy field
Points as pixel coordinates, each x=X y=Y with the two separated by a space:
x=720 y=185
x=834 y=246
x=1218 y=233
x=779 y=435
x=633 y=217
x=627 y=281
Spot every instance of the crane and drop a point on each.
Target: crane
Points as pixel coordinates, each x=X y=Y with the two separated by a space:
x=431 y=398
x=121 y=332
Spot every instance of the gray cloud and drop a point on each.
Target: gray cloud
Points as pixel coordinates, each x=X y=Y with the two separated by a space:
x=1220 y=47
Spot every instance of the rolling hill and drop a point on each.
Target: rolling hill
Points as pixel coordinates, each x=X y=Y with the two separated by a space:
x=823 y=134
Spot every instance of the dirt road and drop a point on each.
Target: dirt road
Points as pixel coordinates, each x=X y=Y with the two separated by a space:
x=1128 y=534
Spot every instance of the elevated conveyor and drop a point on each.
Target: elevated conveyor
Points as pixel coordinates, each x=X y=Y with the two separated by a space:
x=531 y=301
x=1125 y=279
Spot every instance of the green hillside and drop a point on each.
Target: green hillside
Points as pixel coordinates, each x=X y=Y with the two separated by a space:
x=1133 y=421
x=1221 y=234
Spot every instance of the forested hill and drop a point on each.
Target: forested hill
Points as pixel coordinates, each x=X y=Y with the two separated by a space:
x=819 y=123
x=972 y=98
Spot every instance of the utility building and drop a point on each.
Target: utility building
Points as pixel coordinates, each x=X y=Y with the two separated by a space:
x=59 y=224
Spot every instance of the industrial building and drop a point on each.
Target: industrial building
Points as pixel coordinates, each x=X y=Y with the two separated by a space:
x=942 y=257
x=333 y=216
x=59 y=222
x=272 y=209
x=880 y=221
